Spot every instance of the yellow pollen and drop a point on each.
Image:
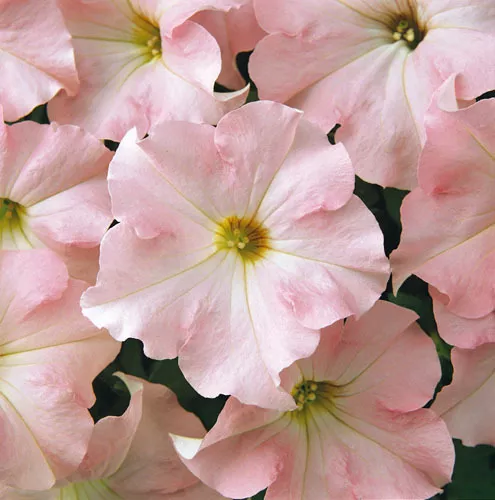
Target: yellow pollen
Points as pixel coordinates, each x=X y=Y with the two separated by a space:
x=305 y=392
x=247 y=236
x=409 y=36
x=409 y=31
x=152 y=42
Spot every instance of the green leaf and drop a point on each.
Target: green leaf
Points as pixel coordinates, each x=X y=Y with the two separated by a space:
x=393 y=201
x=132 y=359
x=474 y=473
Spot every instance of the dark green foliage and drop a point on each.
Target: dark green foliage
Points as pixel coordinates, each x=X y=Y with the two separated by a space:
x=474 y=474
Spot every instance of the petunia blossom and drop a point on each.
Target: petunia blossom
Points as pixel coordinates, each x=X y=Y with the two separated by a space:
x=53 y=192
x=49 y=356
x=140 y=62
x=467 y=333
x=235 y=31
x=358 y=430
x=448 y=236
x=373 y=67
x=132 y=457
x=236 y=245
x=36 y=56
x=465 y=404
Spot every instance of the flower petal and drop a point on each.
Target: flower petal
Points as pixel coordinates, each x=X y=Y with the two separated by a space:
x=36 y=56
x=462 y=332
x=449 y=222
x=461 y=402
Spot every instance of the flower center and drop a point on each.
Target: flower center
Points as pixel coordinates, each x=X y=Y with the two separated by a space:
x=312 y=396
x=154 y=45
x=305 y=393
x=248 y=237
x=147 y=36
x=8 y=210
x=13 y=236
x=409 y=31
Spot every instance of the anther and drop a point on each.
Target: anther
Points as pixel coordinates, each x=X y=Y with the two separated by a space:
x=409 y=36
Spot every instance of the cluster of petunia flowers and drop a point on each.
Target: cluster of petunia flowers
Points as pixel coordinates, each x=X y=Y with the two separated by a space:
x=238 y=246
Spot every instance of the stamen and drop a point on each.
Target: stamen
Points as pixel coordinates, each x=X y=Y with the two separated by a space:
x=409 y=36
x=248 y=237
x=408 y=30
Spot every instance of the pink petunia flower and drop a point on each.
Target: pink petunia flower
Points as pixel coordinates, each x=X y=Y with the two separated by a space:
x=448 y=236
x=36 y=56
x=53 y=193
x=462 y=332
x=358 y=431
x=49 y=356
x=236 y=245
x=140 y=62
x=466 y=404
x=132 y=457
x=235 y=31
x=373 y=66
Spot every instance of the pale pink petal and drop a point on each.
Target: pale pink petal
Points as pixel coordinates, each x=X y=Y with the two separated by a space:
x=39 y=276
x=344 y=246
x=462 y=332
x=154 y=184
x=178 y=11
x=253 y=144
x=461 y=35
x=57 y=176
x=363 y=436
x=152 y=469
x=364 y=355
x=333 y=43
x=141 y=297
x=239 y=315
x=194 y=55
x=36 y=56
x=463 y=404
x=235 y=31
x=121 y=54
x=448 y=223
x=243 y=454
x=51 y=401
x=50 y=356
x=400 y=455
x=111 y=439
